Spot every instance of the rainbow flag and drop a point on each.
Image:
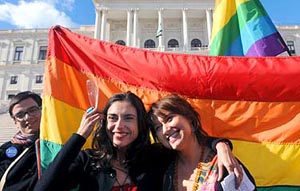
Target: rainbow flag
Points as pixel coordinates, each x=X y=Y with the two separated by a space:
x=243 y=28
x=254 y=101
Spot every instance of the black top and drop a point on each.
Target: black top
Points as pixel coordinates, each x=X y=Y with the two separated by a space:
x=73 y=167
x=23 y=175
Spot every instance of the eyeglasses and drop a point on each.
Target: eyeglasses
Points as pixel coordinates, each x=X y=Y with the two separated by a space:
x=32 y=111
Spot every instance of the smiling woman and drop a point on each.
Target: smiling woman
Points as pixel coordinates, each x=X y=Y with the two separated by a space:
x=113 y=162
x=122 y=125
x=177 y=126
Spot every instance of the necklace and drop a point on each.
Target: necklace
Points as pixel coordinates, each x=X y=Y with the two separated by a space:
x=198 y=173
x=118 y=167
x=121 y=169
x=121 y=185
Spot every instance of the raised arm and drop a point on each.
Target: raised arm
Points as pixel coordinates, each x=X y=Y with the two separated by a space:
x=66 y=169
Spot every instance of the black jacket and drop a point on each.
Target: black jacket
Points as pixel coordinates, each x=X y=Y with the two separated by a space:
x=23 y=175
x=72 y=167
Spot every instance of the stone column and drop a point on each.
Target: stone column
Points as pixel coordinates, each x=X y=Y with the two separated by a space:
x=97 y=24
x=129 y=27
x=34 y=47
x=160 y=26
x=103 y=25
x=135 y=29
x=209 y=23
x=8 y=60
x=185 y=30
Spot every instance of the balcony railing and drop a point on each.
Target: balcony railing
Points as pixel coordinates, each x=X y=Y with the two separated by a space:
x=194 y=50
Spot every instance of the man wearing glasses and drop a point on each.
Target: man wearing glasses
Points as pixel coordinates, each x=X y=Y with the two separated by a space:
x=18 y=157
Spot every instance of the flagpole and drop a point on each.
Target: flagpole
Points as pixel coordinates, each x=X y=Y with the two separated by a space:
x=289 y=52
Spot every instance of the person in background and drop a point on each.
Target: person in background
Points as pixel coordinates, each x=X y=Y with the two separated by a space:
x=177 y=126
x=121 y=158
x=18 y=157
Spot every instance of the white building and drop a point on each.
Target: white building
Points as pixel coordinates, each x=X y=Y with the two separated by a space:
x=185 y=25
x=22 y=58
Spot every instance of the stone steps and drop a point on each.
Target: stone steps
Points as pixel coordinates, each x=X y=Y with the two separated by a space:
x=7 y=128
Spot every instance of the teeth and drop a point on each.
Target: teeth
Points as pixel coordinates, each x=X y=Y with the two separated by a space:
x=174 y=134
x=168 y=138
x=121 y=133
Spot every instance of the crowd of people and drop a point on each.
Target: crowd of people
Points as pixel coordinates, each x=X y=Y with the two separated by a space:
x=122 y=156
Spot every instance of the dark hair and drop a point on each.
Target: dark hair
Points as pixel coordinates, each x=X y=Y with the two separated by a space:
x=21 y=96
x=152 y=125
x=174 y=104
x=103 y=148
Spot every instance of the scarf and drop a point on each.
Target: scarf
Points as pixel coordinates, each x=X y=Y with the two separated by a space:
x=20 y=138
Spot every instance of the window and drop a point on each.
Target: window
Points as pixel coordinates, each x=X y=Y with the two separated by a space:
x=18 y=53
x=13 y=79
x=173 y=43
x=39 y=79
x=121 y=42
x=43 y=53
x=149 y=44
x=291 y=46
x=195 y=43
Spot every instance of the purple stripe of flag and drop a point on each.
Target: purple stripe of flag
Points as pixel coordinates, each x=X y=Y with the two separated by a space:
x=271 y=45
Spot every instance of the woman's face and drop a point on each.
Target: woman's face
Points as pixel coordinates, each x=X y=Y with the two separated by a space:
x=122 y=124
x=175 y=131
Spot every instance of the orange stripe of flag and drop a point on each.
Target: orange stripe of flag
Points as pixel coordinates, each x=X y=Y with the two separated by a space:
x=242 y=120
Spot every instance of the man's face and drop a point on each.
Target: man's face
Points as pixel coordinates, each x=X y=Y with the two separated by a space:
x=27 y=116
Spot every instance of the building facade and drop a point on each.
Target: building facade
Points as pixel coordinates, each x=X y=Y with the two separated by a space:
x=182 y=26
x=22 y=60
x=164 y=25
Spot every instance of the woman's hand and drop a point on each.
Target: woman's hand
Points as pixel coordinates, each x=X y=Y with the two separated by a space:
x=88 y=122
x=227 y=159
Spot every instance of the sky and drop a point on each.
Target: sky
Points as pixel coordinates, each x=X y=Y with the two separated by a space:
x=24 y=14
